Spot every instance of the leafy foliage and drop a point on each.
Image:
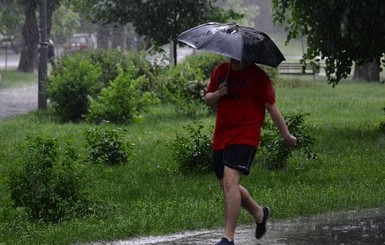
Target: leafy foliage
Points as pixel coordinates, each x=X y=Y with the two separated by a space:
x=64 y=23
x=73 y=82
x=341 y=32
x=193 y=151
x=382 y=124
x=11 y=17
x=184 y=85
x=110 y=61
x=30 y=29
x=274 y=153
x=79 y=80
x=204 y=61
x=107 y=145
x=173 y=16
x=123 y=100
x=50 y=184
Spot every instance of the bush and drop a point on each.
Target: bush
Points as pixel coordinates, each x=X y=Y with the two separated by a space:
x=382 y=124
x=193 y=152
x=78 y=77
x=185 y=84
x=49 y=184
x=272 y=72
x=205 y=62
x=190 y=77
x=74 y=81
x=122 y=101
x=107 y=146
x=274 y=153
x=112 y=60
x=188 y=106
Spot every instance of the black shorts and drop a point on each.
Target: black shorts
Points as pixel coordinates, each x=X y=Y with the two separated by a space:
x=237 y=157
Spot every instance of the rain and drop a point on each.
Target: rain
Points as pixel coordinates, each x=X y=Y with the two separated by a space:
x=361 y=226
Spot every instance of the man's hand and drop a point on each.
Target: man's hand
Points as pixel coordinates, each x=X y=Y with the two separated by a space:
x=290 y=140
x=223 y=89
x=213 y=98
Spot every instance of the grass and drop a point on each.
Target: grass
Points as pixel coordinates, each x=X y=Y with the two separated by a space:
x=147 y=196
x=12 y=78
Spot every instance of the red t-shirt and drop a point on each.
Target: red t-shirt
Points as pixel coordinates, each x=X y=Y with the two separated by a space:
x=240 y=113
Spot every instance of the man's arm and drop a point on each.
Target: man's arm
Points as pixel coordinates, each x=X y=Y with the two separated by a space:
x=278 y=120
x=212 y=98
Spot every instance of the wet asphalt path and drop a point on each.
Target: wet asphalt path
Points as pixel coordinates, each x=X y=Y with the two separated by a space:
x=15 y=101
x=354 y=227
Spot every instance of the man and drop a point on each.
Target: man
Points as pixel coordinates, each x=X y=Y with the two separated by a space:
x=242 y=92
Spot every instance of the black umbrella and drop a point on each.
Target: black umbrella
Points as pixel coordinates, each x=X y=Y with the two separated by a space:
x=237 y=42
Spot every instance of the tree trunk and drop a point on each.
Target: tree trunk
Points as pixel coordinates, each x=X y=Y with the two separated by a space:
x=51 y=6
x=103 y=35
x=369 y=71
x=30 y=37
x=117 y=37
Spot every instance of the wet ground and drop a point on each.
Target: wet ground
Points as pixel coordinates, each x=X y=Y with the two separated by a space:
x=355 y=227
x=15 y=101
x=363 y=227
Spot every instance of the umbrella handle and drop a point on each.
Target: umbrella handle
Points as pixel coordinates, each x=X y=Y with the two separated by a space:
x=228 y=71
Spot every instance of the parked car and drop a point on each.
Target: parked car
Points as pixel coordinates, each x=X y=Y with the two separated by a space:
x=9 y=42
x=80 y=42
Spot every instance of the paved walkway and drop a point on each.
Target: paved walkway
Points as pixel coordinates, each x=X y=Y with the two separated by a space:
x=353 y=227
x=14 y=101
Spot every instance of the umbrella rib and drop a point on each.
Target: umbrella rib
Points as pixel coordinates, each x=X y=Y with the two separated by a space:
x=241 y=43
x=206 y=41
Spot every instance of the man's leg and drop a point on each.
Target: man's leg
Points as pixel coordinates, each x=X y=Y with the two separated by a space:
x=250 y=205
x=235 y=197
x=232 y=192
x=260 y=214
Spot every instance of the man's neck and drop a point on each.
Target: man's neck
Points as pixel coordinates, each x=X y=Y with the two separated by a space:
x=238 y=66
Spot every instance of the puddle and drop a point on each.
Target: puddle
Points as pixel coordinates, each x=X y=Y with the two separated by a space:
x=355 y=227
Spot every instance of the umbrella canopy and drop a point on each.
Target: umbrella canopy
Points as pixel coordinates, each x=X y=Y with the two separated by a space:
x=237 y=42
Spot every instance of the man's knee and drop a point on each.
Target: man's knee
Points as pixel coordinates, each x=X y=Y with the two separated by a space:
x=231 y=178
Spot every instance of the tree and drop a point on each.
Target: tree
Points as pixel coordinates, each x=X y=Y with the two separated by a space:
x=30 y=38
x=11 y=18
x=158 y=21
x=64 y=22
x=30 y=32
x=248 y=9
x=340 y=32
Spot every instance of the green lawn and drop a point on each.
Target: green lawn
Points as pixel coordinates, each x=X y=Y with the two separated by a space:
x=13 y=78
x=148 y=196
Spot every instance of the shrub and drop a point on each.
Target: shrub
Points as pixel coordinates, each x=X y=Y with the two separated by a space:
x=78 y=77
x=188 y=106
x=205 y=62
x=382 y=124
x=49 y=184
x=185 y=84
x=73 y=82
x=272 y=72
x=193 y=151
x=107 y=146
x=274 y=153
x=112 y=60
x=190 y=77
x=123 y=100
